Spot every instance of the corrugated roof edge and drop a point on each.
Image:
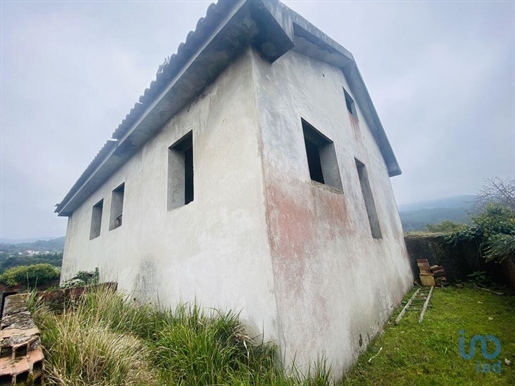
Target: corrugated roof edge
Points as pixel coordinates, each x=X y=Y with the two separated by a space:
x=165 y=72
x=174 y=64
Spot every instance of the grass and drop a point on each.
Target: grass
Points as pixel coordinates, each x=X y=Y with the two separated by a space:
x=428 y=353
x=104 y=339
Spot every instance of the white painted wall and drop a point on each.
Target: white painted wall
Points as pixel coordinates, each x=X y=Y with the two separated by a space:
x=334 y=282
x=259 y=236
x=216 y=247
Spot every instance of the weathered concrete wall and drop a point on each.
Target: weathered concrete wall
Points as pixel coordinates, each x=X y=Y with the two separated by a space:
x=335 y=284
x=215 y=249
x=459 y=260
x=260 y=236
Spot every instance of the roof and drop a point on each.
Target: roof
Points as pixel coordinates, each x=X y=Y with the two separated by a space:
x=227 y=29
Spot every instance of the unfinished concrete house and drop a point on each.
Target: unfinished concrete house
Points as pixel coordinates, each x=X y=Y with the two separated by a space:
x=253 y=175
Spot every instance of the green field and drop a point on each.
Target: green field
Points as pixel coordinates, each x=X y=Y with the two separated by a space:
x=428 y=353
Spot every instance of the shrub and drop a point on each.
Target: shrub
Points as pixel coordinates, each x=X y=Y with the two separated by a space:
x=30 y=274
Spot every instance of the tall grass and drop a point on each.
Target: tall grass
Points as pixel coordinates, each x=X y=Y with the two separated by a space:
x=106 y=339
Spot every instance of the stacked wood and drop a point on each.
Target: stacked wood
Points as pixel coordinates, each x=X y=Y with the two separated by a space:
x=439 y=274
x=426 y=276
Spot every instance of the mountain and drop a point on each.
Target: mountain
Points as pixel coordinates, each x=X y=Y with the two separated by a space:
x=462 y=201
x=416 y=216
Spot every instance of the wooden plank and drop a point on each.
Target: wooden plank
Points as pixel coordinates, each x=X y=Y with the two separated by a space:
x=487 y=290
x=425 y=305
x=398 y=319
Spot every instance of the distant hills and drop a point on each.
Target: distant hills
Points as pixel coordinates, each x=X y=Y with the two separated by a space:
x=416 y=216
x=51 y=246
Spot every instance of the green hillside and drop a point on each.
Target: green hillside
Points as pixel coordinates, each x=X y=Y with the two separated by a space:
x=416 y=216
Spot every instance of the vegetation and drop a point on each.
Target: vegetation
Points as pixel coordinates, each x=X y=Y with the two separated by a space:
x=7 y=261
x=38 y=252
x=108 y=340
x=428 y=353
x=30 y=275
x=82 y=278
x=493 y=229
x=446 y=227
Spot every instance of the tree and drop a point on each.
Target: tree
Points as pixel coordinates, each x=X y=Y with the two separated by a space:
x=494 y=226
x=497 y=190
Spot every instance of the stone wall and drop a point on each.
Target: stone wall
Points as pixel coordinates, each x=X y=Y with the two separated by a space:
x=459 y=260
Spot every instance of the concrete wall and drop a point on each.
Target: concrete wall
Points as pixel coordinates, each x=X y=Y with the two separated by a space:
x=459 y=259
x=335 y=284
x=296 y=257
x=214 y=249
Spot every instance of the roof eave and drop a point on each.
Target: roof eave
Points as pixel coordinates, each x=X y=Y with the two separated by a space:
x=228 y=28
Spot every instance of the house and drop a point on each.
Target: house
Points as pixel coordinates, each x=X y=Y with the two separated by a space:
x=253 y=174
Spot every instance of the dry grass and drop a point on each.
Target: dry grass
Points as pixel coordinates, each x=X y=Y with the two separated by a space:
x=105 y=340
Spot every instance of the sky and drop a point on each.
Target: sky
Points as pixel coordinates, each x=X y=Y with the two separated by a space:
x=440 y=73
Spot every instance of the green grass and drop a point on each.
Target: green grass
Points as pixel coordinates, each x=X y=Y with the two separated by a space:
x=428 y=353
x=104 y=339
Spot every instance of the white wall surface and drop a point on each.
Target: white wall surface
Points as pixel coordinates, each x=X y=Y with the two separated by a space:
x=335 y=284
x=214 y=249
x=296 y=257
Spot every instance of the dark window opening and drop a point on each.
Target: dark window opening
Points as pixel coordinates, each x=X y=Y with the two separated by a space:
x=96 y=220
x=315 y=166
x=188 y=176
x=117 y=207
x=351 y=106
x=181 y=172
x=321 y=156
x=369 y=200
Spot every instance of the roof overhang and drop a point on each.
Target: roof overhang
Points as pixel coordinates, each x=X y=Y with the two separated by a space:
x=228 y=28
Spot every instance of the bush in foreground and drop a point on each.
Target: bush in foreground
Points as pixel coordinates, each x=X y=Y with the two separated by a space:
x=30 y=275
x=108 y=340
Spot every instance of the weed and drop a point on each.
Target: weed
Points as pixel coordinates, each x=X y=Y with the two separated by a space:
x=106 y=339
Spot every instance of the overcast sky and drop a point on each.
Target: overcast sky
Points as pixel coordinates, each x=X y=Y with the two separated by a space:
x=441 y=75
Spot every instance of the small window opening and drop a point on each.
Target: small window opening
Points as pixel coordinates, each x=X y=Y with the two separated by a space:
x=96 y=219
x=369 y=200
x=351 y=106
x=117 y=207
x=180 y=172
x=321 y=156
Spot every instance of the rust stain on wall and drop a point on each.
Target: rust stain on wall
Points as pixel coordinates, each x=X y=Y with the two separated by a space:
x=293 y=234
x=355 y=127
x=331 y=211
